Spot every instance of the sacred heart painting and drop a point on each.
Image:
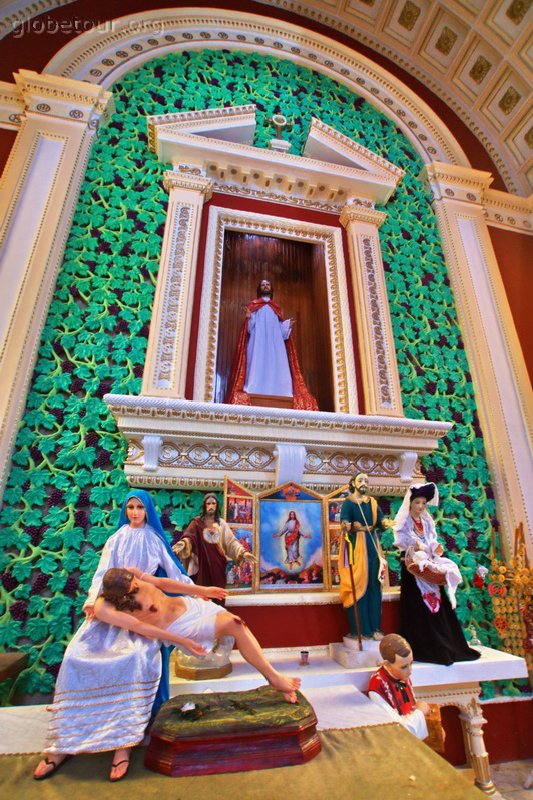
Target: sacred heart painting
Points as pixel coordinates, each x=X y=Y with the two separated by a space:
x=290 y=529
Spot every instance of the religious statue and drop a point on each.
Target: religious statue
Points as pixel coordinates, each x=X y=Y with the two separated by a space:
x=207 y=544
x=265 y=361
x=428 y=583
x=361 y=562
x=391 y=688
x=293 y=534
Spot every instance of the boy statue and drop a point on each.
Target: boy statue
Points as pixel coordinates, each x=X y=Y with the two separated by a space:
x=391 y=688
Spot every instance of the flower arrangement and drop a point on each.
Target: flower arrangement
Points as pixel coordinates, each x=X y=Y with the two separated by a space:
x=511 y=591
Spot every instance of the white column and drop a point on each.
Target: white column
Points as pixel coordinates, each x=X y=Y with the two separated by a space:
x=168 y=345
x=472 y=721
x=377 y=352
x=501 y=383
x=38 y=193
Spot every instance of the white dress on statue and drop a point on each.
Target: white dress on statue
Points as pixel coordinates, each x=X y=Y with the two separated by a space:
x=109 y=676
x=197 y=622
x=267 y=364
x=415 y=721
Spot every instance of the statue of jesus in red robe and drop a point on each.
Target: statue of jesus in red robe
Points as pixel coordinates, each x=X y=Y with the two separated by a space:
x=265 y=360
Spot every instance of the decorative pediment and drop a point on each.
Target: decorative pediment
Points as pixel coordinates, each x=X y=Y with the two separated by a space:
x=324 y=143
x=217 y=143
x=233 y=124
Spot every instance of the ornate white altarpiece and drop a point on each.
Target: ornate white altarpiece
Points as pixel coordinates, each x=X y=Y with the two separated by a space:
x=175 y=441
x=90 y=64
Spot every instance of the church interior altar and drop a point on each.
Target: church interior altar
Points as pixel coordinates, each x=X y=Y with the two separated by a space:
x=158 y=168
x=347 y=722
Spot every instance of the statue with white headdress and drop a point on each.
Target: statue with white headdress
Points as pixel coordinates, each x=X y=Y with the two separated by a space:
x=429 y=583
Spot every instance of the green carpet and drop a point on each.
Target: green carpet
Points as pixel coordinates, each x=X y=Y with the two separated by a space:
x=384 y=761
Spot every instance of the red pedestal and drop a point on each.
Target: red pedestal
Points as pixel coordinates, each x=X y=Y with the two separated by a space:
x=300 y=626
x=231 y=732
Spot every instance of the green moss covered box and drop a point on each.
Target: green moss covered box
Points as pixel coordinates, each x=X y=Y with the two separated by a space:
x=202 y=734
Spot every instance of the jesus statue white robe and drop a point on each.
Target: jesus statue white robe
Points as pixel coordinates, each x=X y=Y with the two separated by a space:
x=267 y=363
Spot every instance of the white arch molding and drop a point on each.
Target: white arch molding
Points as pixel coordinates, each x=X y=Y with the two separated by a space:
x=102 y=56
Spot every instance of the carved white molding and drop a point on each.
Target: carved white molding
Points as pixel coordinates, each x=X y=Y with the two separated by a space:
x=273 y=599
x=504 y=210
x=232 y=123
x=168 y=343
x=202 y=442
x=38 y=192
x=104 y=56
x=501 y=210
x=152 y=446
x=328 y=144
x=408 y=462
x=18 y=245
x=12 y=106
x=218 y=144
x=377 y=351
x=449 y=181
x=220 y=220
x=501 y=383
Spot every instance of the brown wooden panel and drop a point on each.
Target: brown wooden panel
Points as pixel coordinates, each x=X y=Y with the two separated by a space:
x=297 y=272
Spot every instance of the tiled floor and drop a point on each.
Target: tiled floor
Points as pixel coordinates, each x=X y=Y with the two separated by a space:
x=510 y=779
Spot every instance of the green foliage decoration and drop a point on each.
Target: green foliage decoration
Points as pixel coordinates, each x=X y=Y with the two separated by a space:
x=67 y=482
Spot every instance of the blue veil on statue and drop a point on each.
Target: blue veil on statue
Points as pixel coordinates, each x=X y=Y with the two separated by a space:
x=152 y=519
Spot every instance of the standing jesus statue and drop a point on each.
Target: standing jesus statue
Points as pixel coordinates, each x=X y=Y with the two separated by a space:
x=266 y=362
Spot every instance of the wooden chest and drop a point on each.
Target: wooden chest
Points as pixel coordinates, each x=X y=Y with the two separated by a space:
x=231 y=732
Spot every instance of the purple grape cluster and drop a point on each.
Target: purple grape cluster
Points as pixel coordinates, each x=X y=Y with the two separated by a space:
x=9 y=582
x=19 y=610
x=39 y=583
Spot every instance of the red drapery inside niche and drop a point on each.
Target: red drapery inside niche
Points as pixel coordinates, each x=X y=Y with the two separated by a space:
x=297 y=271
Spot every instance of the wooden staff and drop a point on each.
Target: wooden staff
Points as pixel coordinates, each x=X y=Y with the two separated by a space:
x=355 y=606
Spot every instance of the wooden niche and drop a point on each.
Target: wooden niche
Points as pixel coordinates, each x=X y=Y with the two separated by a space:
x=297 y=272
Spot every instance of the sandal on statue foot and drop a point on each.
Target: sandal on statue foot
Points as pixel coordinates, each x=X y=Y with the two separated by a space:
x=115 y=766
x=49 y=763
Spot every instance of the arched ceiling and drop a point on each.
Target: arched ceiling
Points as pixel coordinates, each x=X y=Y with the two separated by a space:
x=475 y=55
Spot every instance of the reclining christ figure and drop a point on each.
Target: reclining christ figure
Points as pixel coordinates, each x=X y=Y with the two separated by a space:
x=137 y=603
